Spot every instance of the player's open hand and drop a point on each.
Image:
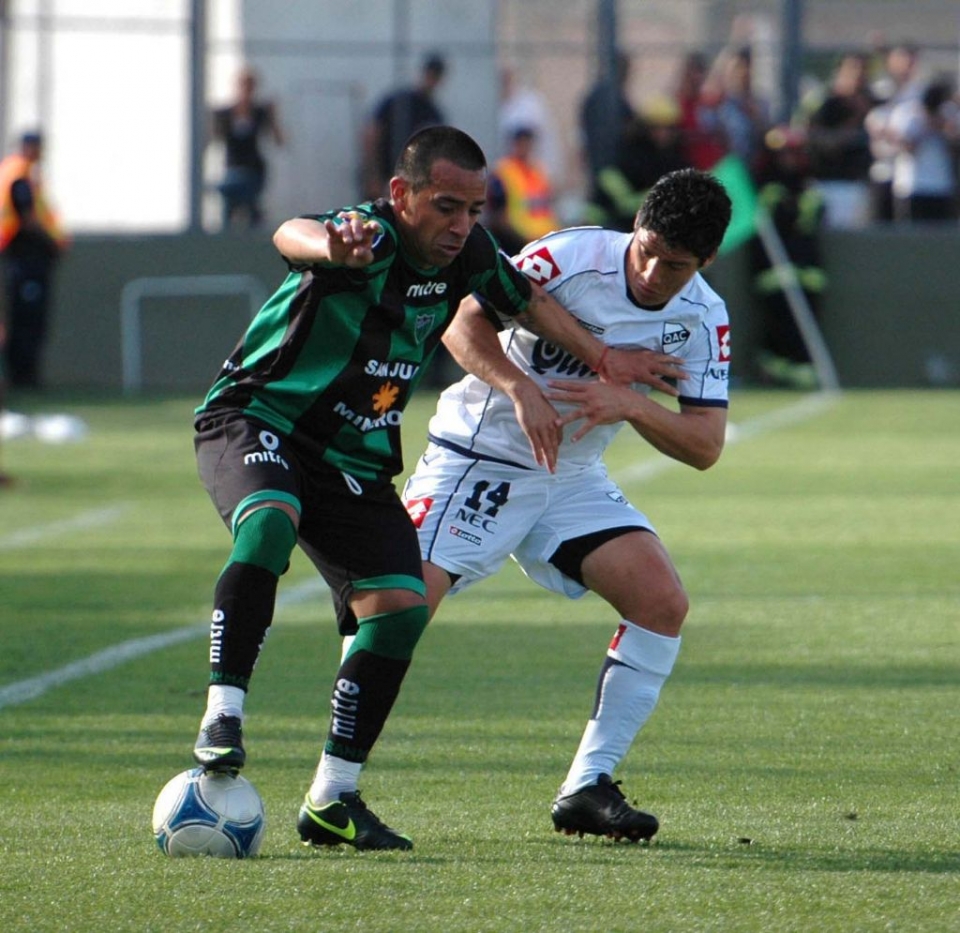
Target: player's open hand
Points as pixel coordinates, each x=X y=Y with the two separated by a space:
x=540 y=421
x=622 y=367
x=351 y=239
x=594 y=403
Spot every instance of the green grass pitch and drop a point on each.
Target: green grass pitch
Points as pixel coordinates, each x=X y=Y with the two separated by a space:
x=804 y=759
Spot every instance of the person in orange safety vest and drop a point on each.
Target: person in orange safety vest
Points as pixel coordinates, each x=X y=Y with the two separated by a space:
x=521 y=196
x=31 y=241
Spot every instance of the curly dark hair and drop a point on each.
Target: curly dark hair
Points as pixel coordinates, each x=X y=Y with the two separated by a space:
x=690 y=209
x=431 y=144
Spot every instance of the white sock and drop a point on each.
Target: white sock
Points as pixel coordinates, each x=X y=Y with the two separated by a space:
x=334 y=777
x=222 y=700
x=638 y=663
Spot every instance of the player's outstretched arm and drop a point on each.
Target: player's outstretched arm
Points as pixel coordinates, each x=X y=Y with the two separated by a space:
x=694 y=435
x=347 y=241
x=472 y=341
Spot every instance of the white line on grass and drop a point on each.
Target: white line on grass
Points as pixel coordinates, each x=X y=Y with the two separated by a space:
x=29 y=689
x=806 y=407
x=24 y=690
x=82 y=522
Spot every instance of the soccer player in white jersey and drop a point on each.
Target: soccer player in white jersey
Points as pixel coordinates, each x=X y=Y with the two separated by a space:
x=514 y=465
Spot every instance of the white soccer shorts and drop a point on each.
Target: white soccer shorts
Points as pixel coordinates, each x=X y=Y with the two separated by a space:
x=471 y=515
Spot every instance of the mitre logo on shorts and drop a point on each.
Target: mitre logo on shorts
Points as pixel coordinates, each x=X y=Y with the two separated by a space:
x=723 y=339
x=270 y=444
x=417 y=509
x=539 y=266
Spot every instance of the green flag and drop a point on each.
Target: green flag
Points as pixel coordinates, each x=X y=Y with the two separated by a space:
x=736 y=179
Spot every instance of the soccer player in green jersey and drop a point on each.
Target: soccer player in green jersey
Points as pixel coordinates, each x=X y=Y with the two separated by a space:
x=298 y=441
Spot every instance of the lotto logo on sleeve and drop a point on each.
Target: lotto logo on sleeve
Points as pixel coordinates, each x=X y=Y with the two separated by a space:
x=723 y=340
x=539 y=266
x=417 y=510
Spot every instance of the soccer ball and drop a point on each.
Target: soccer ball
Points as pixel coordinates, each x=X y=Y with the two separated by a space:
x=209 y=813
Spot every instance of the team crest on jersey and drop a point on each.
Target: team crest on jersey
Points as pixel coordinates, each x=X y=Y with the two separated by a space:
x=723 y=340
x=675 y=335
x=417 y=509
x=539 y=266
x=423 y=325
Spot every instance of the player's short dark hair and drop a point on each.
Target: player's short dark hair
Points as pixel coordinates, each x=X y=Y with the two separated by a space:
x=690 y=209
x=429 y=145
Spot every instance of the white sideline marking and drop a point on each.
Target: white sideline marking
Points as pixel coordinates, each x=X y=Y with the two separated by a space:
x=805 y=408
x=82 y=522
x=29 y=689
x=24 y=690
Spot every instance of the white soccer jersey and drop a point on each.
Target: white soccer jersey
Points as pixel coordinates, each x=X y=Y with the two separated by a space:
x=584 y=269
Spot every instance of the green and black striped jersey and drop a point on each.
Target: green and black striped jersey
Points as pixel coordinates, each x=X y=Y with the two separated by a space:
x=333 y=356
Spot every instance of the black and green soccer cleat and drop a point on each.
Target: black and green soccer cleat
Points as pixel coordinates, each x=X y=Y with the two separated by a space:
x=347 y=820
x=219 y=745
x=601 y=810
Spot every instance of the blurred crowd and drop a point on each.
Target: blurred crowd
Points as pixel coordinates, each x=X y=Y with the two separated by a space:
x=874 y=141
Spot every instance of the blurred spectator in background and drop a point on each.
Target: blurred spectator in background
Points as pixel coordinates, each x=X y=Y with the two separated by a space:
x=522 y=106
x=394 y=120
x=605 y=114
x=521 y=198
x=796 y=208
x=31 y=242
x=743 y=115
x=839 y=145
x=5 y=478
x=649 y=148
x=897 y=88
x=239 y=128
x=701 y=133
x=926 y=134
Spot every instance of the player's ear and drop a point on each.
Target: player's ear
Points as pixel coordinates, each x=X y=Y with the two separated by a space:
x=399 y=189
x=709 y=260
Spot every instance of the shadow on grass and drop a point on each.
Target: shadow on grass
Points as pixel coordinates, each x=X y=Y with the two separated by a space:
x=738 y=854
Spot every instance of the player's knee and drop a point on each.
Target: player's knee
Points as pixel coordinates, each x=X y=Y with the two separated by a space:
x=662 y=612
x=265 y=538
x=676 y=605
x=392 y=634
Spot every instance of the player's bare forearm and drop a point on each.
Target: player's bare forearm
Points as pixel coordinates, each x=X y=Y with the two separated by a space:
x=694 y=435
x=348 y=241
x=549 y=319
x=473 y=342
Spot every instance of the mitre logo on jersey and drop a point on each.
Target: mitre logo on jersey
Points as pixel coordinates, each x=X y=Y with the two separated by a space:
x=539 y=266
x=417 y=509
x=723 y=340
x=426 y=289
x=675 y=335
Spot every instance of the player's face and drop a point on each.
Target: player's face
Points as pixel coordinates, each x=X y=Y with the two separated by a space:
x=436 y=220
x=655 y=271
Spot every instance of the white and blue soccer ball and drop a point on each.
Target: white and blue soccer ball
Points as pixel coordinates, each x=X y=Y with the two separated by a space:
x=209 y=813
